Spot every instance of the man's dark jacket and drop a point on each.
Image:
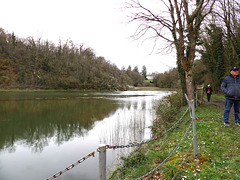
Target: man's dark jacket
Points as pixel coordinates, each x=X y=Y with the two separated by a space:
x=231 y=87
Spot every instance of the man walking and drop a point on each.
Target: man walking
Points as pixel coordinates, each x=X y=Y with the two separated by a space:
x=231 y=88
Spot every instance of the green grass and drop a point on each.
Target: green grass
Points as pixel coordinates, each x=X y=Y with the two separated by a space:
x=218 y=151
x=148 y=80
x=218 y=95
x=221 y=96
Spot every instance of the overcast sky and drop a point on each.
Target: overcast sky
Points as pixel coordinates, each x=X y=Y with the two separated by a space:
x=99 y=24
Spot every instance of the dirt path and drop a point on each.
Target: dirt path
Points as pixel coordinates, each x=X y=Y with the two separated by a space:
x=221 y=103
x=216 y=101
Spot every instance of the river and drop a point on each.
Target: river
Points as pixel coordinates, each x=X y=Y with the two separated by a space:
x=42 y=133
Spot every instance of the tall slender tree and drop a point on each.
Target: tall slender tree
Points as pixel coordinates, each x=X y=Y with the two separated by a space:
x=144 y=72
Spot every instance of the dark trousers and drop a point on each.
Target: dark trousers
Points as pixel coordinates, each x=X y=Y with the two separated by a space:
x=228 y=104
x=208 y=97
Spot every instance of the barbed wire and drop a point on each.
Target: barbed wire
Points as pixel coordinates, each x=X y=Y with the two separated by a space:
x=72 y=166
x=167 y=157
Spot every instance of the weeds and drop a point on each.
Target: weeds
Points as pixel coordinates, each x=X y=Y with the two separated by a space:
x=168 y=107
x=167 y=110
x=136 y=158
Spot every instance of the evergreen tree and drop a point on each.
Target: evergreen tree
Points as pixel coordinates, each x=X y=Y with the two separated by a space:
x=213 y=56
x=144 y=72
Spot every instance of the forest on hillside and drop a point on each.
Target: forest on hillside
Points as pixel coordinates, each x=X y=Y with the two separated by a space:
x=30 y=63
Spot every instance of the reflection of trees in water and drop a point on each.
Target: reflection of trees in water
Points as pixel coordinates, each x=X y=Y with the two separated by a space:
x=129 y=125
x=34 y=123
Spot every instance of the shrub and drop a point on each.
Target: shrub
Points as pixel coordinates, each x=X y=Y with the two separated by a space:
x=168 y=107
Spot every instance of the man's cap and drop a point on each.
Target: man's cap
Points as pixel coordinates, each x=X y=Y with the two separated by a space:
x=234 y=69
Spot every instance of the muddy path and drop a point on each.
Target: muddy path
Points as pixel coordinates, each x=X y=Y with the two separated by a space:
x=216 y=101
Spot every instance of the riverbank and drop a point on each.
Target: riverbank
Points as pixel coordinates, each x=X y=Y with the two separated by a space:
x=133 y=88
x=147 y=88
x=218 y=150
x=152 y=89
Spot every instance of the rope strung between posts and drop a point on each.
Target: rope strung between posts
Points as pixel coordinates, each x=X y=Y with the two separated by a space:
x=167 y=157
x=72 y=166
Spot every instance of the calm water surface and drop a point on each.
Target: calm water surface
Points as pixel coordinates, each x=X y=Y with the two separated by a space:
x=42 y=133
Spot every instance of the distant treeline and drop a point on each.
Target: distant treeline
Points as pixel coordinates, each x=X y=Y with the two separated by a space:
x=29 y=63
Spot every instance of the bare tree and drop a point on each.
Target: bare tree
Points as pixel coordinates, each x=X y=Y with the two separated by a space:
x=227 y=16
x=178 y=23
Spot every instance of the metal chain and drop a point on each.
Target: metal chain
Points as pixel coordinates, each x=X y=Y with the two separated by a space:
x=167 y=157
x=150 y=140
x=116 y=147
x=72 y=166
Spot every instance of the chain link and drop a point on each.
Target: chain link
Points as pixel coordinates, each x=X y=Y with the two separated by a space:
x=72 y=166
x=150 y=140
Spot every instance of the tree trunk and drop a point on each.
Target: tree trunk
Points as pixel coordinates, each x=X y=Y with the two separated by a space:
x=189 y=85
x=182 y=78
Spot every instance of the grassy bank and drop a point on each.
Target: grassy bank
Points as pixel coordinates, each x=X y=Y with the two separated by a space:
x=218 y=151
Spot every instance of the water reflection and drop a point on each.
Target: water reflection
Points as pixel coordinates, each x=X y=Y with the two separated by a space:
x=130 y=124
x=47 y=132
x=33 y=123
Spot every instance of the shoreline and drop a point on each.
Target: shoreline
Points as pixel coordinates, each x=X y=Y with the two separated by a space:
x=152 y=89
x=65 y=90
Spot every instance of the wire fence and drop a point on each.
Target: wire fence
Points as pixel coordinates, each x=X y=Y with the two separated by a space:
x=92 y=154
x=193 y=116
x=183 y=161
x=165 y=160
